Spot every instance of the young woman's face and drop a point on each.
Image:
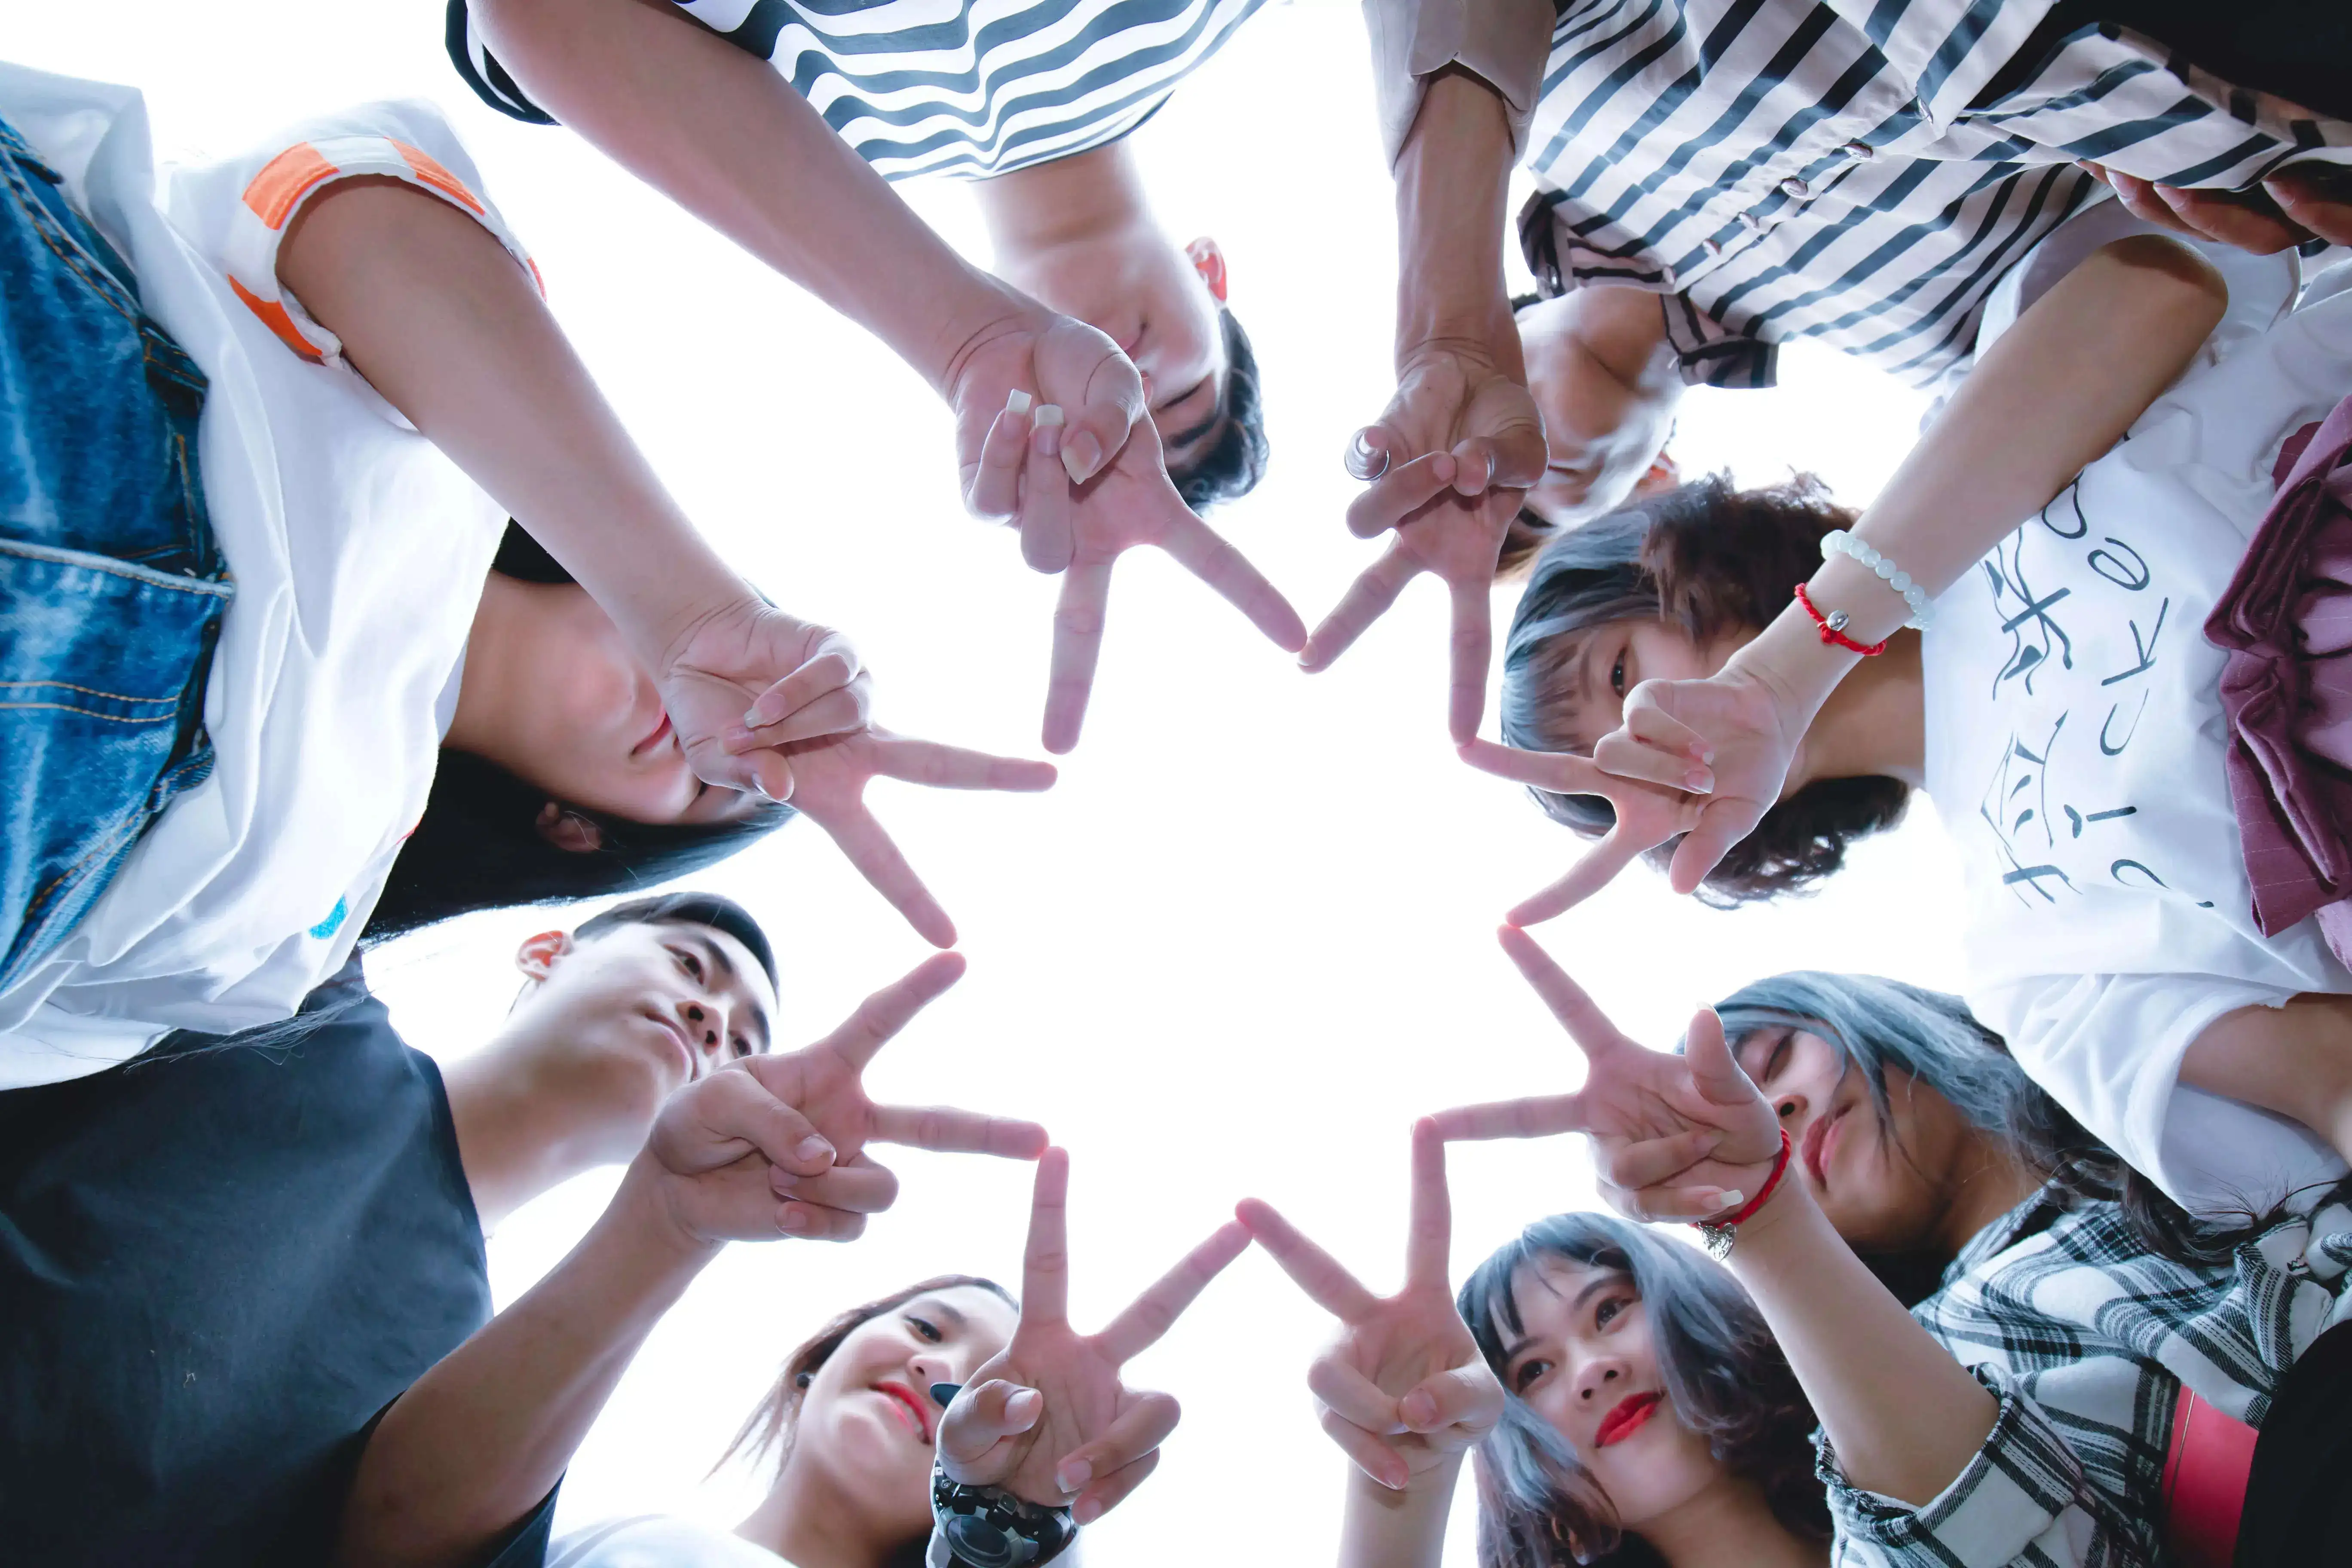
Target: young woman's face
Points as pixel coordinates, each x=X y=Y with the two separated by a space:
x=1586 y=1363
x=1885 y=1187
x=1615 y=656
x=869 y=1420
x=586 y=722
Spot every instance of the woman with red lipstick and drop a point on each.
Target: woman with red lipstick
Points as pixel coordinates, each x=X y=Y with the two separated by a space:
x=951 y=1372
x=2038 y=1404
x=1649 y=1417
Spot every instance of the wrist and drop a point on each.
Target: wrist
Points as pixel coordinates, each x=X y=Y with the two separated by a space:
x=984 y=312
x=1452 y=185
x=644 y=1230
x=1794 y=667
x=1784 y=1225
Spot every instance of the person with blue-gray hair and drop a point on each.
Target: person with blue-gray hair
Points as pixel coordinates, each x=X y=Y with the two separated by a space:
x=2074 y=1346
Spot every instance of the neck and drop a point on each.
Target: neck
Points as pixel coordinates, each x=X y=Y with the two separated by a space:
x=1873 y=724
x=527 y=1120
x=1730 y=1525
x=1987 y=1182
x=1086 y=196
x=493 y=653
x=804 y=1520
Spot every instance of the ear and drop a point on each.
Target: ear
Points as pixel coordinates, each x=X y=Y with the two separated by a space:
x=1210 y=263
x=568 y=830
x=540 y=955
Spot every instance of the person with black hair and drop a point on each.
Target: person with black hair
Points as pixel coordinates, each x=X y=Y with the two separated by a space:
x=256 y=616
x=949 y=1384
x=1623 y=1398
x=220 y=1261
x=2071 y=1352
x=1102 y=386
x=1667 y=692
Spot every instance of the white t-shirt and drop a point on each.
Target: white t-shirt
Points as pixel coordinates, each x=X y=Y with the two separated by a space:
x=2075 y=744
x=357 y=550
x=657 y=1541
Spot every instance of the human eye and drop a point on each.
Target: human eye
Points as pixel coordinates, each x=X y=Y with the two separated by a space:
x=1527 y=1373
x=925 y=1328
x=742 y=1045
x=1610 y=1309
x=1617 y=674
x=687 y=960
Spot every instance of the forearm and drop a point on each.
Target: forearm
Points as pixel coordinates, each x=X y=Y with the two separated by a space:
x=1453 y=186
x=478 y=1442
x=2294 y=1061
x=1385 y=1528
x=726 y=138
x=437 y=315
x=1905 y=1417
x=2054 y=394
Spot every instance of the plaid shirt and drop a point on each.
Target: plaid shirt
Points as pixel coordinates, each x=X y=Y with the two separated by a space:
x=2087 y=1340
x=1849 y=171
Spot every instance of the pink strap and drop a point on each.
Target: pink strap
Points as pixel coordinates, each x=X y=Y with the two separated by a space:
x=2206 y=1470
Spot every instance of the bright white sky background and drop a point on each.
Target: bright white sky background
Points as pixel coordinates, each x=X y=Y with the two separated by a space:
x=1249 y=936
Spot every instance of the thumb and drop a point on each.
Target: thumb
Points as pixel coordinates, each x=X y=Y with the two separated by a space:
x=1466 y=1399
x=980 y=1419
x=1718 y=1074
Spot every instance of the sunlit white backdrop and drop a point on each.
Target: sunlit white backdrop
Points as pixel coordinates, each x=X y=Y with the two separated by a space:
x=1250 y=934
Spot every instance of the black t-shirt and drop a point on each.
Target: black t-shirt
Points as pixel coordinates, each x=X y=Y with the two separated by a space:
x=219 y=1263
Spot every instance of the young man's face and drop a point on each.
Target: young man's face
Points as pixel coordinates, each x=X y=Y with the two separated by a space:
x=655 y=1006
x=1163 y=307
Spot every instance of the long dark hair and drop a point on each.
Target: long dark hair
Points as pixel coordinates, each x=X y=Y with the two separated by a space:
x=774 y=1423
x=1539 y=1507
x=1710 y=560
x=478 y=844
x=1932 y=1038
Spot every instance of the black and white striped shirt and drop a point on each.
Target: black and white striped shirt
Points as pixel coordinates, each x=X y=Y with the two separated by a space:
x=971 y=88
x=1838 y=170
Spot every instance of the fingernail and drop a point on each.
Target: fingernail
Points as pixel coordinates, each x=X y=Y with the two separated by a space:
x=1703 y=751
x=1074 y=1475
x=1417 y=1408
x=1045 y=440
x=1086 y=1512
x=1394 y=1479
x=1081 y=456
x=738 y=739
x=813 y=1148
x=1733 y=1199
x=1018 y=402
x=766 y=711
x=1048 y=414
x=1022 y=1404
x=1700 y=781
x=797 y=1221
x=945 y=1393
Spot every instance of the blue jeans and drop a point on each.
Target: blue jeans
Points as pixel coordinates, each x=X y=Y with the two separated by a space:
x=111 y=588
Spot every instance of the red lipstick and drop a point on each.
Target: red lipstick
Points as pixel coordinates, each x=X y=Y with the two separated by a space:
x=1632 y=1413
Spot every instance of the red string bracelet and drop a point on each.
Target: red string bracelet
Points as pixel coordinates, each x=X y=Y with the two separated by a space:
x=1832 y=627
x=1718 y=1232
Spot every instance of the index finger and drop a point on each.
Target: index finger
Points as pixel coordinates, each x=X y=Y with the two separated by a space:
x=1155 y=1312
x=1473 y=645
x=1210 y=556
x=1538 y=1116
x=1368 y=598
x=947 y=1131
x=1585 y=1023
x=1314 y=1270
x=1428 y=1238
x=1561 y=772
x=952 y=767
x=1045 y=1260
x=1594 y=869
x=869 y=848
x=890 y=1009
x=1078 y=620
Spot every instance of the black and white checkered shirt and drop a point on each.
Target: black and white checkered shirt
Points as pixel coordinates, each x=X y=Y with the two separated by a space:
x=1850 y=171
x=970 y=88
x=2087 y=1340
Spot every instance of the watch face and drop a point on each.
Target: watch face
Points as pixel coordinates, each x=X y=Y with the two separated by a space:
x=982 y=1544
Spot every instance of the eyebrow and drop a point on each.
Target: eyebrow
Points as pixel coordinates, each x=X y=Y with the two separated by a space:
x=719 y=960
x=939 y=1305
x=1602 y=1280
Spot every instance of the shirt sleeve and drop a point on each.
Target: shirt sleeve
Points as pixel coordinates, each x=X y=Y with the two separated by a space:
x=2022 y=1500
x=1502 y=42
x=237 y=214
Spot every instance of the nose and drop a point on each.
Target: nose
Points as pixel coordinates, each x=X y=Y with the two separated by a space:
x=705 y=1018
x=926 y=1370
x=1599 y=1379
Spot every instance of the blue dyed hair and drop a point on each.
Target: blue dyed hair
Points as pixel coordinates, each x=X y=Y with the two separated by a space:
x=1539 y=1507
x=1933 y=1038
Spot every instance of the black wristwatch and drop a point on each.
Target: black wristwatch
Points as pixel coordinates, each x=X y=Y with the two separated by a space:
x=988 y=1526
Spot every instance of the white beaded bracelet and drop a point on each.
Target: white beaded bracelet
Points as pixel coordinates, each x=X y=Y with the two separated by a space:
x=1838 y=542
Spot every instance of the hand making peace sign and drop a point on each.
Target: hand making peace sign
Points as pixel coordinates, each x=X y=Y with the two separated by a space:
x=1673 y=1137
x=1048 y=1417
x=1085 y=492
x=1404 y=1390
x=774 y=1144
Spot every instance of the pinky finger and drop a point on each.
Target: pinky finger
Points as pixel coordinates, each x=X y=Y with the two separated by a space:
x=1372 y=1456
x=1105 y=1494
x=993 y=490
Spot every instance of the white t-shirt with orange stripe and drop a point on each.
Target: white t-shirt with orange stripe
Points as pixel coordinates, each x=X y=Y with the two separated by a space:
x=358 y=551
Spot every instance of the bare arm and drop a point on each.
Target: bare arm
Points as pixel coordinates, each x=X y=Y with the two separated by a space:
x=2296 y=1061
x=1385 y=1528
